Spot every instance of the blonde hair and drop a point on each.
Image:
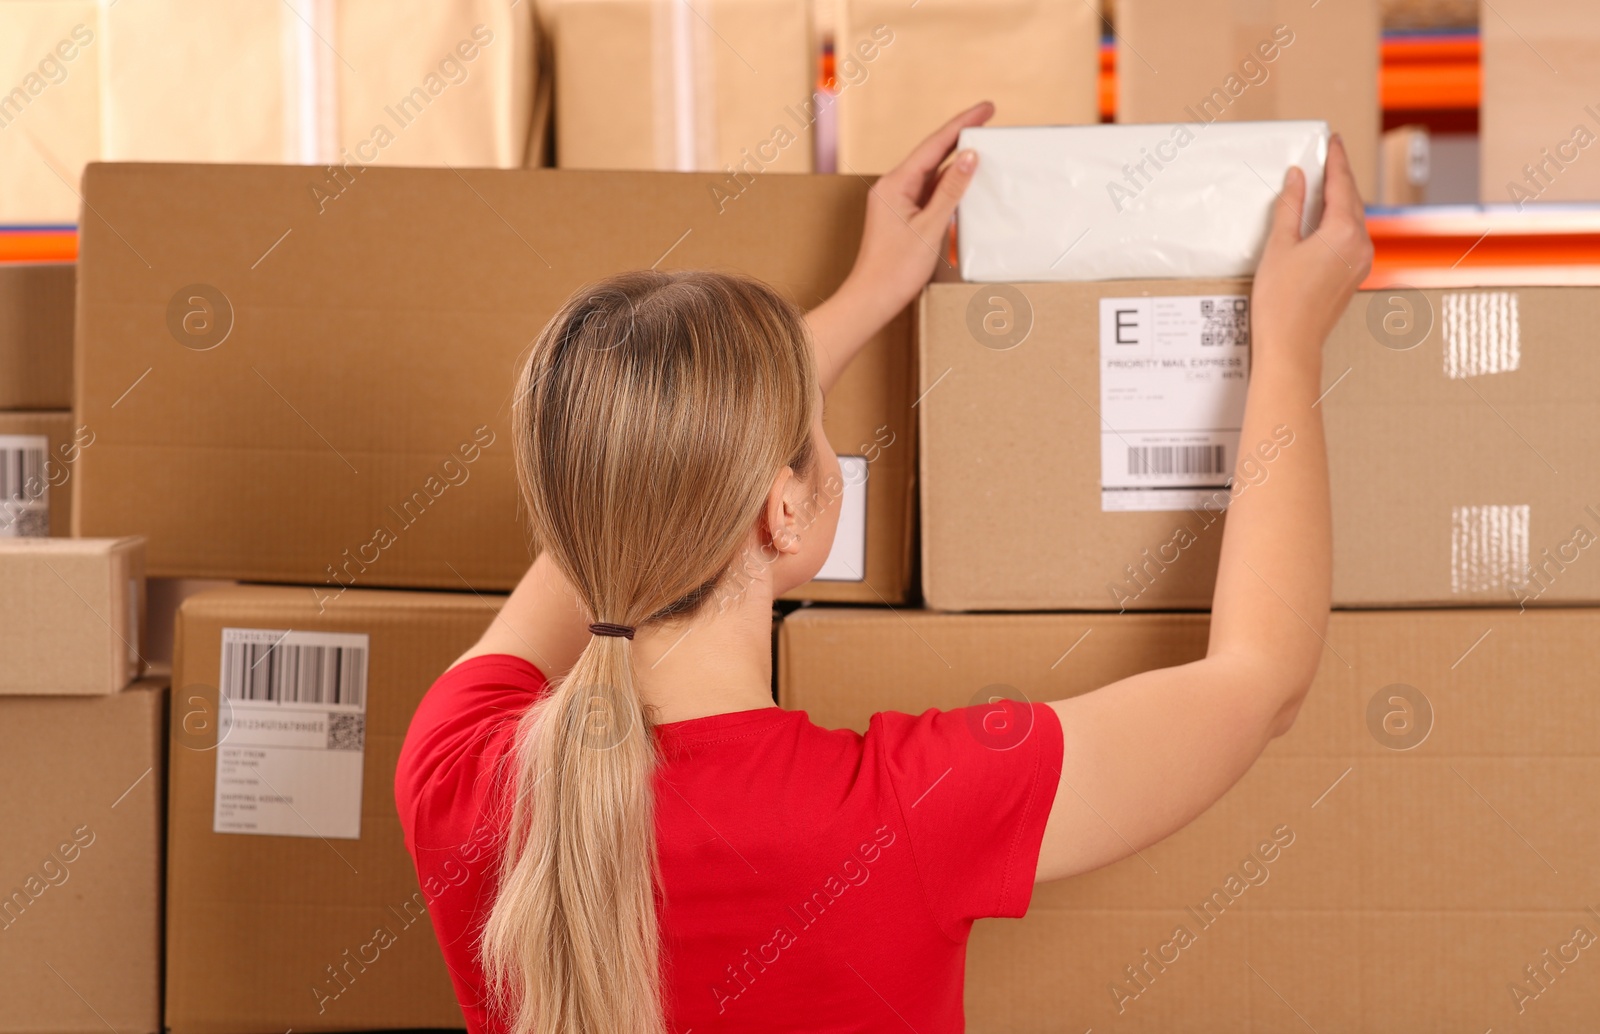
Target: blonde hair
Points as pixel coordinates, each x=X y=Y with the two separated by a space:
x=650 y=422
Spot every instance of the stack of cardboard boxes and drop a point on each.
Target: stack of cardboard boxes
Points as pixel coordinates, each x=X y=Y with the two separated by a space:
x=332 y=414
x=303 y=377
x=84 y=770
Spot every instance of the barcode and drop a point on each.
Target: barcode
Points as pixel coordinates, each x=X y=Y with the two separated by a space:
x=21 y=475
x=280 y=670
x=1176 y=459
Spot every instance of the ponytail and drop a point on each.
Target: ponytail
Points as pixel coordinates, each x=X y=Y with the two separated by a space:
x=577 y=900
x=653 y=415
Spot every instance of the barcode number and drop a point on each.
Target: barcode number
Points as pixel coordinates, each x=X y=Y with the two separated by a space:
x=1176 y=459
x=284 y=671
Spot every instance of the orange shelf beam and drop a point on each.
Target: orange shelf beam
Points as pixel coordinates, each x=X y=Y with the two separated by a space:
x=1465 y=246
x=53 y=244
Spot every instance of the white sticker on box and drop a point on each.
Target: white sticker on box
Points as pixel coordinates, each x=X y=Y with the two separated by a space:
x=847 y=561
x=1173 y=377
x=24 y=486
x=292 y=734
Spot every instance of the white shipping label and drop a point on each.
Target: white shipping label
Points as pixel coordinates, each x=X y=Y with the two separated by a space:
x=24 y=486
x=1173 y=376
x=847 y=560
x=291 y=735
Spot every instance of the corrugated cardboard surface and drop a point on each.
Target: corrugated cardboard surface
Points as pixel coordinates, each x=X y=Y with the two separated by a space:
x=643 y=84
x=70 y=615
x=55 y=477
x=1463 y=441
x=1541 y=85
x=36 y=334
x=367 y=346
x=1172 y=57
x=80 y=916
x=1419 y=882
x=253 y=921
x=905 y=69
x=1010 y=463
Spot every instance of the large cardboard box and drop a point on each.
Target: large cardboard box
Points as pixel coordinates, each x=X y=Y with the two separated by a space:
x=287 y=871
x=36 y=453
x=1255 y=59
x=658 y=84
x=903 y=70
x=49 y=108
x=80 y=898
x=36 y=301
x=340 y=384
x=1464 y=447
x=1419 y=853
x=1539 y=114
x=70 y=615
x=343 y=84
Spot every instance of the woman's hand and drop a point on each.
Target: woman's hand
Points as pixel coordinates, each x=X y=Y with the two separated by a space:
x=902 y=241
x=1304 y=283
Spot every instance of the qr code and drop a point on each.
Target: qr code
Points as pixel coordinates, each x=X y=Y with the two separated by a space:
x=1227 y=321
x=346 y=731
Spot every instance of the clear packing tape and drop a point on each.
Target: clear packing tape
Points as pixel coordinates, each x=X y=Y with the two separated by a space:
x=397 y=82
x=1110 y=202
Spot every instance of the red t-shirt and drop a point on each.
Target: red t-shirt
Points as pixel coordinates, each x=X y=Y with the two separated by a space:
x=813 y=880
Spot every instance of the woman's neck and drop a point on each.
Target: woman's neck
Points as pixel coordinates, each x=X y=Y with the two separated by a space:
x=716 y=662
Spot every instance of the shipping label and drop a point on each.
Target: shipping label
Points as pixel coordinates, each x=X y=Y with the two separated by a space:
x=291 y=733
x=1173 y=376
x=24 y=486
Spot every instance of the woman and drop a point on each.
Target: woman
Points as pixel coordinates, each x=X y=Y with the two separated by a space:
x=630 y=838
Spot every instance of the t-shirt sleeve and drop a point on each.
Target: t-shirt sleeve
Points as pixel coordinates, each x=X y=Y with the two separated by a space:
x=465 y=724
x=975 y=786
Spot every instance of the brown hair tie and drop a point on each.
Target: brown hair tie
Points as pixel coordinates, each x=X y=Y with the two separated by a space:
x=602 y=628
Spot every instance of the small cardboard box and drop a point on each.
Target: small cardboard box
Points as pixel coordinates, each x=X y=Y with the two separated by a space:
x=1463 y=441
x=1255 y=59
x=344 y=85
x=272 y=906
x=903 y=70
x=1431 y=847
x=341 y=383
x=36 y=301
x=70 y=615
x=1539 y=116
x=80 y=905
x=36 y=453
x=50 y=112
x=726 y=84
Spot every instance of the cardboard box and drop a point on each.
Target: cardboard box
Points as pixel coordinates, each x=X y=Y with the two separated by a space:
x=36 y=301
x=50 y=108
x=1254 y=59
x=267 y=922
x=1140 y=202
x=657 y=84
x=80 y=905
x=347 y=408
x=1430 y=808
x=1448 y=414
x=70 y=615
x=346 y=84
x=904 y=70
x=1406 y=166
x=36 y=454
x=1539 y=116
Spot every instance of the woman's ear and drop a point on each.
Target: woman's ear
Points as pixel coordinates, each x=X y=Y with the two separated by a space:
x=781 y=515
